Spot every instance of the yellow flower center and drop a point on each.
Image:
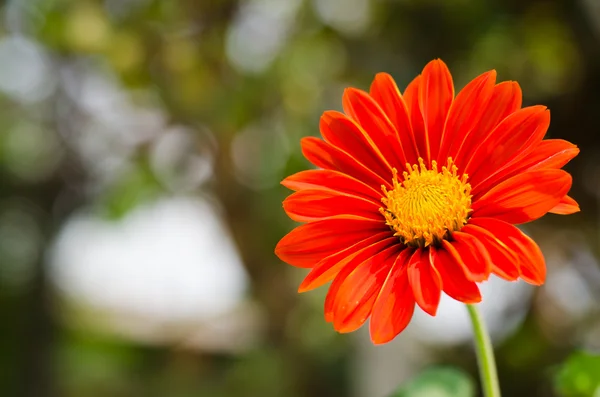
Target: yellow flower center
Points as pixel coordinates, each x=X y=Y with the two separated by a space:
x=427 y=205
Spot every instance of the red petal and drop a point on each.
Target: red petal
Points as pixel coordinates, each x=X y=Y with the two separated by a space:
x=323 y=155
x=465 y=113
x=362 y=108
x=549 y=154
x=345 y=271
x=331 y=180
x=436 y=93
x=411 y=98
x=454 y=281
x=566 y=206
x=385 y=92
x=346 y=135
x=524 y=197
x=308 y=244
x=531 y=261
x=506 y=99
x=329 y=267
x=425 y=281
x=515 y=136
x=395 y=304
x=471 y=255
x=355 y=297
x=311 y=205
x=505 y=262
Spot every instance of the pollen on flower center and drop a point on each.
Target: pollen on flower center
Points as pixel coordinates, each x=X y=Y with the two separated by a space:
x=428 y=204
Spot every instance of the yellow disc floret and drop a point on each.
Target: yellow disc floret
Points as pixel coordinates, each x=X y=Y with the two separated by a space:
x=428 y=205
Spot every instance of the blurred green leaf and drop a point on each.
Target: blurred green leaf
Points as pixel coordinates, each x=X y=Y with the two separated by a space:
x=579 y=376
x=438 y=382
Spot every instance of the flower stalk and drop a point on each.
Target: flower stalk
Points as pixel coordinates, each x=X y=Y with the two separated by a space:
x=485 y=354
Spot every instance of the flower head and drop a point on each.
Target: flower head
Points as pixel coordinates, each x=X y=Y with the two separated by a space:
x=418 y=193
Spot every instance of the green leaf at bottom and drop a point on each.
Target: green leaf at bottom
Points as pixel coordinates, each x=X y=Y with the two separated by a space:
x=438 y=382
x=579 y=376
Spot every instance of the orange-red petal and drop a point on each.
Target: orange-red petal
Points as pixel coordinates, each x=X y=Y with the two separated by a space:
x=366 y=112
x=549 y=154
x=330 y=180
x=436 y=92
x=425 y=281
x=464 y=114
x=566 y=206
x=532 y=266
x=328 y=157
x=411 y=98
x=506 y=99
x=395 y=305
x=454 y=281
x=515 y=136
x=505 y=263
x=306 y=245
x=312 y=205
x=524 y=197
x=326 y=270
x=343 y=133
x=344 y=272
x=355 y=297
x=386 y=93
x=471 y=254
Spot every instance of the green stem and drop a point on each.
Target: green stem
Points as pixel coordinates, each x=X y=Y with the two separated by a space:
x=485 y=354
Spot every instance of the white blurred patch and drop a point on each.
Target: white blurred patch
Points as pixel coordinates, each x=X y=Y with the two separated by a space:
x=101 y=97
x=573 y=285
x=107 y=127
x=181 y=159
x=570 y=292
x=25 y=70
x=351 y=17
x=169 y=262
x=504 y=306
x=258 y=32
x=23 y=17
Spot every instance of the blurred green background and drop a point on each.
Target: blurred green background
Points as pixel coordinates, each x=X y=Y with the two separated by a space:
x=141 y=149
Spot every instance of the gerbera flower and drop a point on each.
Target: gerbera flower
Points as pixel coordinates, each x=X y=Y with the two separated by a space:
x=417 y=193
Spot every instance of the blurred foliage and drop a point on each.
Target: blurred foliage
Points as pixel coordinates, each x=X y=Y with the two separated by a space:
x=579 y=376
x=439 y=382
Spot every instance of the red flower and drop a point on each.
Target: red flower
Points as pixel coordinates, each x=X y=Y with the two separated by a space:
x=417 y=193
